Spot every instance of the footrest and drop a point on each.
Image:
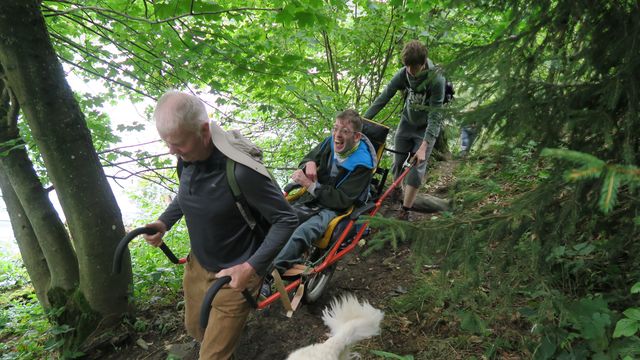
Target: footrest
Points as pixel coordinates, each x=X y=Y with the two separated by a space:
x=289 y=305
x=297 y=269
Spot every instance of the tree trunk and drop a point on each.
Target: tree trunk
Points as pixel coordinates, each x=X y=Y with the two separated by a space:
x=30 y=250
x=47 y=227
x=60 y=131
x=441 y=151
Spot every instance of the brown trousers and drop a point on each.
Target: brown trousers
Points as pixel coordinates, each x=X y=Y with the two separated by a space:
x=228 y=314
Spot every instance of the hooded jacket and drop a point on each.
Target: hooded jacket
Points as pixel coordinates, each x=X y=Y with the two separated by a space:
x=425 y=93
x=354 y=174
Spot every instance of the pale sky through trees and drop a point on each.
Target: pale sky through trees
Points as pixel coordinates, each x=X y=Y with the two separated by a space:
x=125 y=113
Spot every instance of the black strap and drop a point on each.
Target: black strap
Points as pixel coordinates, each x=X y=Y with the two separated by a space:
x=241 y=202
x=397 y=152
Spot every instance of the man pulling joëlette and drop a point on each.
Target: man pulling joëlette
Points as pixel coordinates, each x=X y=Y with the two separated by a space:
x=222 y=243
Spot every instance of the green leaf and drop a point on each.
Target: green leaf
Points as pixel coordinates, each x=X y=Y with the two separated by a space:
x=62 y=329
x=632 y=313
x=584 y=248
x=472 y=323
x=412 y=18
x=545 y=349
x=286 y=15
x=388 y=355
x=6 y=151
x=305 y=18
x=635 y=288
x=625 y=327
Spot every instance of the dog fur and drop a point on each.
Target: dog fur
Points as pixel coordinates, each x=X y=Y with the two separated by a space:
x=349 y=321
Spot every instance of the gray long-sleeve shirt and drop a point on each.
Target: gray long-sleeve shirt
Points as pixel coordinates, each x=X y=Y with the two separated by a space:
x=414 y=112
x=220 y=237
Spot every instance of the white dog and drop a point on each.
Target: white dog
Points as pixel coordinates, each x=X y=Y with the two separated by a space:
x=349 y=321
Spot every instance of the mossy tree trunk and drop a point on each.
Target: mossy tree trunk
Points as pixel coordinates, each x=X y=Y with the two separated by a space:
x=34 y=74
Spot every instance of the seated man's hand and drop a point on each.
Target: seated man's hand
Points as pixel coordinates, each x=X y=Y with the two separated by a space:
x=156 y=239
x=301 y=179
x=240 y=275
x=311 y=170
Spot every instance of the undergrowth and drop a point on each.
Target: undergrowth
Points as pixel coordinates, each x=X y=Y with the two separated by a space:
x=528 y=263
x=25 y=332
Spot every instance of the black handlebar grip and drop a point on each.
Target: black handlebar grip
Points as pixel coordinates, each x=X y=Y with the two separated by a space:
x=165 y=249
x=117 y=258
x=205 y=309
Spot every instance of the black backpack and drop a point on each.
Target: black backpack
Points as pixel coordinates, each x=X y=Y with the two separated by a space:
x=449 y=92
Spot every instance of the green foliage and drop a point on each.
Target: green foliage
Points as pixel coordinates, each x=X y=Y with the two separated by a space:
x=10 y=145
x=24 y=330
x=550 y=74
x=613 y=176
x=155 y=279
x=519 y=242
x=630 y=325
x=388 y=355
x=558 y=81
x=12 y=274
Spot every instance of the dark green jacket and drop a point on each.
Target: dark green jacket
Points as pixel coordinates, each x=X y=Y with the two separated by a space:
x=341 y=192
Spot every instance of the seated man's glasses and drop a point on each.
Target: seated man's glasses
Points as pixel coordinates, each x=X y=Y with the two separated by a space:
x=342 y=131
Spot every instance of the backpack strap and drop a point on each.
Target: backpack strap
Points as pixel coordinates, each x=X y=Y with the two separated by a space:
x=241 y=202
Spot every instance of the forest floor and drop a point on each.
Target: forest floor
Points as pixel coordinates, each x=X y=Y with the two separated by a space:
x=380 y=277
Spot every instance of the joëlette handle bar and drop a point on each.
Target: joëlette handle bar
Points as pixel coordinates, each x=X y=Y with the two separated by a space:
x=207 y=302
x=117 y=258
x=211 y=293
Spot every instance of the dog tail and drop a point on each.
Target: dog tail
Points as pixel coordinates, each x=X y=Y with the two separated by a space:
x=351 y=321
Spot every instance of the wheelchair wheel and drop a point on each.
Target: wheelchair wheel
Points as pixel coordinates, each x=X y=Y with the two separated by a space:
x=317 y=284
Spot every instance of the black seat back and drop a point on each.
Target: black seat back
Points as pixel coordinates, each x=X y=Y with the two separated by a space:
x=377 y=134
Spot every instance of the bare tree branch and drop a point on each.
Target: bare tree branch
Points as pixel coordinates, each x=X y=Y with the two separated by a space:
x=128 y=146
x=103 y=11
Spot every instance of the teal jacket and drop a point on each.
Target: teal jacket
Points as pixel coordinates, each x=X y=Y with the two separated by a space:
x=340 y=192
x=425 y=94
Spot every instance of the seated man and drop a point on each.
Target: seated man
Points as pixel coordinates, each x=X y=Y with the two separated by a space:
x=335 y=173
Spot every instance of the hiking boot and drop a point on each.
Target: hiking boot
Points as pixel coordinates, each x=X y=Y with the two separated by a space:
x=405 y=214
x=265 y=289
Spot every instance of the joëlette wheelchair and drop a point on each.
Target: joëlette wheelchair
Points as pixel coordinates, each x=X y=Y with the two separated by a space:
x=341 y=237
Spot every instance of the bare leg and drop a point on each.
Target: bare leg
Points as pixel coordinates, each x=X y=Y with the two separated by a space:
x=410 y=194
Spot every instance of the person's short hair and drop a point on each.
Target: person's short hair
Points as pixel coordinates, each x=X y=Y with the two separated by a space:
x=352 y=117
x=414 y=53
x=178 y=110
